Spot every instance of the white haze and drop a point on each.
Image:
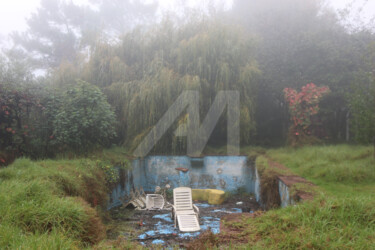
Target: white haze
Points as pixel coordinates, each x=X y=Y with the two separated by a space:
x=13 y=13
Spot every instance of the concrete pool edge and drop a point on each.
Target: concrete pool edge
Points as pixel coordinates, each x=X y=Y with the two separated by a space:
x=227 y=173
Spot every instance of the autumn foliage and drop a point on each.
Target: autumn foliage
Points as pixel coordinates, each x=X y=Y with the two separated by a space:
x=303 y=106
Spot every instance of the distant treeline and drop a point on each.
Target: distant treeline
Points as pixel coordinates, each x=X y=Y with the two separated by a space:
x=257 y=47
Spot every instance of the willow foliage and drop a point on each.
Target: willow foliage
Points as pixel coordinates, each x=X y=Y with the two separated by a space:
x=206 y=56
x=362 y=100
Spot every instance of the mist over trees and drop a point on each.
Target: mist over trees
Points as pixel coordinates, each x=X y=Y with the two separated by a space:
x=60 y=30
x=142 y=59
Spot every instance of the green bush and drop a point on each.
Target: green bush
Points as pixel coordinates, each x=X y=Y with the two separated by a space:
x=84 y=120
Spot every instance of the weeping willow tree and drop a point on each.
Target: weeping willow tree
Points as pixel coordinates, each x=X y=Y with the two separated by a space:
x=206 y=56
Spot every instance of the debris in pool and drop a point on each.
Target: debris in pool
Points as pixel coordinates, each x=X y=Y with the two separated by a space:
x=137 y=199
x=141 y=223
x=165 y=228
x=166 y=217
x=208 y=218
x=142 y=236
x=229 y=211
x=245 y=210
x=182 y=169
x=239 y=203
x=158 y=242
x=188 y=235
x=160 y=230
x=211 y=223
x=203 y=205
x=147 y=234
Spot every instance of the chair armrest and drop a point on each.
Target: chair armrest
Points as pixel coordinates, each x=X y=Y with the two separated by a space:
x=196 y=208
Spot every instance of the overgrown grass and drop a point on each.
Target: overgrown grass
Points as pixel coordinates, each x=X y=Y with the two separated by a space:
x=325 y=223
x=342 y=215
x=250 y=151
x=114 y=155
x=50 y=204
x=343 y=170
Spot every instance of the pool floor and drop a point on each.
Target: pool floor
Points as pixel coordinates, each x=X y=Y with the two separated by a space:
x=157 y=227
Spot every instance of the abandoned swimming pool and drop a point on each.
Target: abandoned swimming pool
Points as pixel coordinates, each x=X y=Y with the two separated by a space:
x=227 y=173
x=231 y=174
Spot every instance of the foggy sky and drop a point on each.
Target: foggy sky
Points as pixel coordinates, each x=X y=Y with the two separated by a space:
x=13 y=13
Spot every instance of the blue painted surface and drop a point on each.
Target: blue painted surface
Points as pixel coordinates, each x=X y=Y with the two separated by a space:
x=257 y=186
x=228 y=173
x=158 y=242
x=285 y=198
x=166 y=217
x=229 y=211
x=166 y=227
x=203 y=205
x=211 y=223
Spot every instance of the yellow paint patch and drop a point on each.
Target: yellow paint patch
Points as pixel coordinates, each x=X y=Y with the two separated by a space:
x=212 y=196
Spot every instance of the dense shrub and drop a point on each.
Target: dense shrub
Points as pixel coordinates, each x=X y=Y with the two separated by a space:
x=84 y=120
x=18 y=106
x=302 y=107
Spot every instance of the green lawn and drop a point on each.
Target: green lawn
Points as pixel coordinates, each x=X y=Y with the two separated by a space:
x=343 y=170
x=342 y=215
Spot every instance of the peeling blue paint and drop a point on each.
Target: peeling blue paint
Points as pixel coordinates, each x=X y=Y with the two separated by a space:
x=142 y=236
x=208 y=218
x=229 y=211
x=228 y=173
x=257 y=186
x=188 y=235
x=158 y=242
x=165 y=226
x=203 y=205
x=285 y=198
x=166 y=217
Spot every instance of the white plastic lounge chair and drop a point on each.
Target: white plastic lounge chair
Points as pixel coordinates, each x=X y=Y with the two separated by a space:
x=137 y=200
x=154 y=201
x=185 y=213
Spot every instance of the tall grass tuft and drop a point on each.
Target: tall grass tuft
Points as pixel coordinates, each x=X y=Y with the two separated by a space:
x=47 y=204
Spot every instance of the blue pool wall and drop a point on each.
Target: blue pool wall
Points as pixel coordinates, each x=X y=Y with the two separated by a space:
x=285 y=197
x=228 y=173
